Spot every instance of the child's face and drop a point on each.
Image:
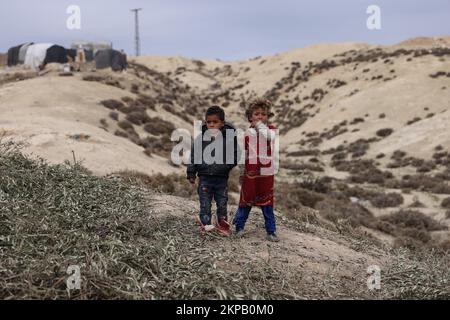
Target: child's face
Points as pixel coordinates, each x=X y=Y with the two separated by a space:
x=259 y=114
x=214 y=123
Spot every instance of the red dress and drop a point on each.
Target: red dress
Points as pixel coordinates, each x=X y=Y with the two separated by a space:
x=258 y=178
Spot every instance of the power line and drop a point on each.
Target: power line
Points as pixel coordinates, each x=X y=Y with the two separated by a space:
x=137 y=38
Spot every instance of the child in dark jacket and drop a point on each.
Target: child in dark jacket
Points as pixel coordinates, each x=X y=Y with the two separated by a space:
x=213 y=169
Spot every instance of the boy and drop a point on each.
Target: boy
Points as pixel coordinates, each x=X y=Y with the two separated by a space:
x=213 y=175
x=257 y=182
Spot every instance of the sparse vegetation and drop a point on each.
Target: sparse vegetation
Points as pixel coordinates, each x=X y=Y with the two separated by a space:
x=158 y=126
x=114 y=115
x=384 y=132
x=112 y=104
x=416 y=119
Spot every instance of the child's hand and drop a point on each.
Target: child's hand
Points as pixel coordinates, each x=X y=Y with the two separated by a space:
x=254 y=123
x=192 y=180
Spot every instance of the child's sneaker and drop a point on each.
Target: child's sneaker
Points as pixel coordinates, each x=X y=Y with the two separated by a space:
x=209 y=228
x=223 y=226
x=272 y=237
x=205 y=227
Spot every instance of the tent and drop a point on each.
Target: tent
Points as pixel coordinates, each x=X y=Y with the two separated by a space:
x=110 y=59
x=36 y=54
x=13 y=56
x=103 y=59
x=89 y=55
x=92 y=46
x=23 y=52
x=118 y=61
x=71 y=53
x=56 y=54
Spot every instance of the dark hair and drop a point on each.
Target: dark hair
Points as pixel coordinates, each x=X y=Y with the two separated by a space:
x=259 y=104
x=216 y=110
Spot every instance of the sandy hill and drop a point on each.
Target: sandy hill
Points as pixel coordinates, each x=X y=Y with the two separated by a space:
x=368 y=120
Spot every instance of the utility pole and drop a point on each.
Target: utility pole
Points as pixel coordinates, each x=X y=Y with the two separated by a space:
x=137 y=37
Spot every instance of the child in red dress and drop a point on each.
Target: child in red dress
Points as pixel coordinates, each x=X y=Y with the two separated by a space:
x=257 y=182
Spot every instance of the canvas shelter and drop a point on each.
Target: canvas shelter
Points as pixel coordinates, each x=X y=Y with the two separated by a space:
x=13 y=56
x=71 y=53
x=110 y=59
x=56 y=54
x=36 y=54
x=23 y=51
x=118 y=61
x=103 y=59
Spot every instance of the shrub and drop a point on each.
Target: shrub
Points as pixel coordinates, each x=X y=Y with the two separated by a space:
x=339 y=156
x=388 y=200
x=291 y=165
x=384 y=132
x=114 y=115
x=104 y=123
x=127 y=99
x=413 y=219
x=446 y=203
x=378 y=199
x=293 y=195
x=335 y=210
x=423 y=183
x=125 y=125
x=135 y=88
x=398 y=154
x=120 y=133
x=300 y=153
x=158 y=126
x=416 y=119
x=358 y=148
x=137 y=117
x=112 y=104
x=94 y=78
x=426 y=167
x=146 y=101
x=356 y=121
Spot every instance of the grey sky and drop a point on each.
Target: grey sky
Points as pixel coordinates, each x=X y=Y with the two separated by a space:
x=225 y=29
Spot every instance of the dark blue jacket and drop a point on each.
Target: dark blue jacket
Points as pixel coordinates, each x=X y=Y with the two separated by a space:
x=214 y=169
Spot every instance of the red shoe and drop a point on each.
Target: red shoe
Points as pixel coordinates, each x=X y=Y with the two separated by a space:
x=223 y=227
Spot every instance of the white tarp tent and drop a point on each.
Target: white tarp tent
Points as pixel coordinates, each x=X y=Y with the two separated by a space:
x=36 y=54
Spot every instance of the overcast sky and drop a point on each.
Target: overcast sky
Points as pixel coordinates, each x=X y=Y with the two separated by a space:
x=225 y=29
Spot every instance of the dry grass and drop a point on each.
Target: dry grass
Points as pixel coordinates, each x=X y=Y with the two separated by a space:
x=416 y=275
x=173 y=184
x=56 y=216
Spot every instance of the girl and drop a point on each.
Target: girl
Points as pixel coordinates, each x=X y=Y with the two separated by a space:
x=257 y=182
